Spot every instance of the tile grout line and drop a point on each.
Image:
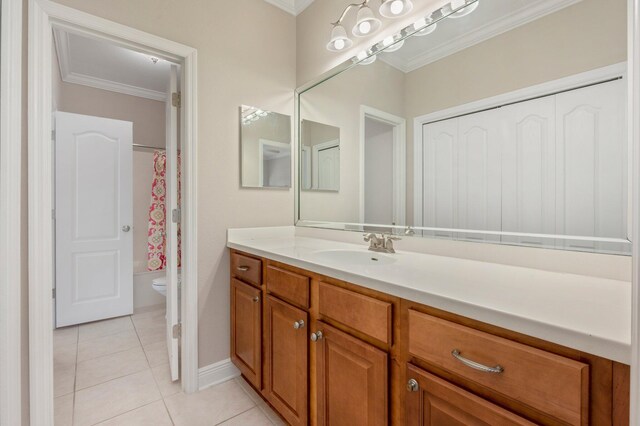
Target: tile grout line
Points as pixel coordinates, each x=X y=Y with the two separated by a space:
x=125 y=412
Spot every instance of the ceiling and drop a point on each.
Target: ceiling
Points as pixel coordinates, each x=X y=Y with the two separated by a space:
x=103 y=65
x=491 y=18
x=294 y=7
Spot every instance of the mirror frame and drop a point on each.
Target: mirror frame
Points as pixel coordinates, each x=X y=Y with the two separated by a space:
x=405 y=33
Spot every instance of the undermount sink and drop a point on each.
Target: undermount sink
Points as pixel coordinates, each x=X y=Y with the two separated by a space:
x=354 y=257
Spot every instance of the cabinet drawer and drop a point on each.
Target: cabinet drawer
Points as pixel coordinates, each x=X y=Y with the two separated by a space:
x=288 y=285
x=550 y=383
x=362 y=313
x=246 y=268
x=432 y=401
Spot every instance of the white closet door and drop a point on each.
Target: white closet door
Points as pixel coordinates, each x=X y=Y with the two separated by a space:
x=94 y=212
x=479 y=174
x=440 y=156
x=528 y=165
x=591 y=162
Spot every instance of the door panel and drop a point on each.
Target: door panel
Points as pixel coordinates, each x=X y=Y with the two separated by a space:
x=592 y=163
x=528 y=198
x=435 y=402
x=479 y=174
x=94 y=242
x=352 y=380
x=440 y=174
x=286 y=352
x=246 y=331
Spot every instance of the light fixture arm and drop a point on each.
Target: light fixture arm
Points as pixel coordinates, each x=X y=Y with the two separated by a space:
x=347 y=9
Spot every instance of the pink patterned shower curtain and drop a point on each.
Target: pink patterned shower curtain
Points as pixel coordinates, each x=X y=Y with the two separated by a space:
x=157 y=235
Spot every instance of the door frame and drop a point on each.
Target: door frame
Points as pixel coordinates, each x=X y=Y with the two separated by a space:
x=399 y=161
x=44 y=15
x=11 y=213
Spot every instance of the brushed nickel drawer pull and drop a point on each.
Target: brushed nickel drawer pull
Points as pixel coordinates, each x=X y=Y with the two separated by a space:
x=476 y=365
x=243 y=268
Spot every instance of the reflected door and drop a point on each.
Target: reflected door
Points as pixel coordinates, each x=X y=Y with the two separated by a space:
x=591 y=165
x=329 y=169
x=94 y=239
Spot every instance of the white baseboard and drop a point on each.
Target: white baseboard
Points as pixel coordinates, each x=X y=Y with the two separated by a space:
x=216 y=373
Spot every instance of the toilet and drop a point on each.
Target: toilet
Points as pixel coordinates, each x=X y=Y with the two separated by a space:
x=160 y=284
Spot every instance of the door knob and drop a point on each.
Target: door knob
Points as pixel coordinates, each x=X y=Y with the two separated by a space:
x=412 y=385
x=298 y=324
x=316 y=336
x=126 y=228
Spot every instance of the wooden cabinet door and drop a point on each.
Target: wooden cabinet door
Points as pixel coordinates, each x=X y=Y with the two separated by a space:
x=246 y=331
x=431 y=401
x=286 y=360
x=352 y=380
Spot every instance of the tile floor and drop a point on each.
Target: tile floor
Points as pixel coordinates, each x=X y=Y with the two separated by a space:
x=116 y=372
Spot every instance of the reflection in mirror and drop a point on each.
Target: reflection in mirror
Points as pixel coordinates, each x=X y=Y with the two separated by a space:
x=265 y=143
x=319 y=156
x=515 y=131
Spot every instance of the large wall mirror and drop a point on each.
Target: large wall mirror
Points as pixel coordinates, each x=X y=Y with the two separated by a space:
x=502 y=121
x=265 y=144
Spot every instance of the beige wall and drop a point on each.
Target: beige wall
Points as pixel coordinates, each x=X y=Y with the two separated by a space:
x=573 y=40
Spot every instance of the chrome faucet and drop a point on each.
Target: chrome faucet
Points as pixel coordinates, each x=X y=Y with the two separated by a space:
x=382 y=243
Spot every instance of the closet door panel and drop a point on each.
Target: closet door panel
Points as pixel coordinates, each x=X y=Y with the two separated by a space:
x=479 y=174
x=591 y=163
x=528 y=181
x=440 y=175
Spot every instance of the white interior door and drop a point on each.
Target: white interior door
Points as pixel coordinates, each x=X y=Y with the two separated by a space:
x=328 y=168
x=173 y=213
x=94 y=212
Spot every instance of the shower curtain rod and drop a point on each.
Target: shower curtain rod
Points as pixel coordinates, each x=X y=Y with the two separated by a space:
x=137 y=145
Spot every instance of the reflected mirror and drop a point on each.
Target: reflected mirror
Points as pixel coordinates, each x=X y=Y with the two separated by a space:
x=502 y=121
x=319 y=156
x=265 y=144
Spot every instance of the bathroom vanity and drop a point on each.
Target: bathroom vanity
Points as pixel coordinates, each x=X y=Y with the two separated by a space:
x=325 y=338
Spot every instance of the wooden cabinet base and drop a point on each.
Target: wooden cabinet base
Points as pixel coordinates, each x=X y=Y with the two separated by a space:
x=372 y=345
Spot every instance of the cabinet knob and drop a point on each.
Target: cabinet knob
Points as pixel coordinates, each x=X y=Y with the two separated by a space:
x=298 y=324
x=316 y=336
x=256 y=299
x=413 y=386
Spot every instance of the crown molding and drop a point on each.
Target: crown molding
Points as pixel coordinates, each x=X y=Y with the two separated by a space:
x=493 y=28
x=62 y=46
x=294 y=7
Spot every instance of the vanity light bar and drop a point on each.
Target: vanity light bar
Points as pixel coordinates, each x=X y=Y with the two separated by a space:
x=423 y=26
x=254 y=116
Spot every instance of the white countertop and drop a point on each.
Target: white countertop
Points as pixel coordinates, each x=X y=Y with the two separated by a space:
x=586 y=313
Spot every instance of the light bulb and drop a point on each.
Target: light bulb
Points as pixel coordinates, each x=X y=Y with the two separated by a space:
x=396 y=7
x=365 y=27
x=338 y=44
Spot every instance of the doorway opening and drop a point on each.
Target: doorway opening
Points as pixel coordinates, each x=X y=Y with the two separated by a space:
x=382 y=168
x=88 y=251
